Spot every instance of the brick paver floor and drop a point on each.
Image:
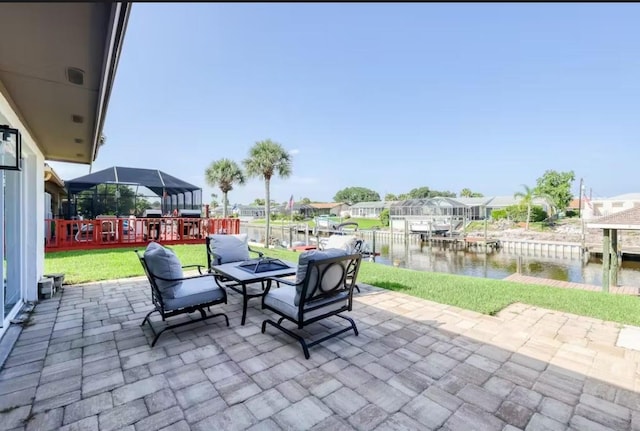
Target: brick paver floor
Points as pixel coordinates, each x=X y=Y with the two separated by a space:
x=83 y=362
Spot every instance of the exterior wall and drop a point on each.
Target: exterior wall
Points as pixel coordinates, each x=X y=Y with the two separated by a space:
x=366 y=212
x=322 y=211
x=607 y=207
x=21 y=218
x=339 y=209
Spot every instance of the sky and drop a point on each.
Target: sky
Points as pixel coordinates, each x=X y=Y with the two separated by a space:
x=387 y=96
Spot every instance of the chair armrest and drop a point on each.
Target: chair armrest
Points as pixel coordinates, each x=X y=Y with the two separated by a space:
x=282 y=280
x=215 y=259
x=278 y=281
x=259 y=253
x=183 y=278
x=194 y=266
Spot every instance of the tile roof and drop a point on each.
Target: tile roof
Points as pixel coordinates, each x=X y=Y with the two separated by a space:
x=626 y=197
x=329 y=205
x=627 y=219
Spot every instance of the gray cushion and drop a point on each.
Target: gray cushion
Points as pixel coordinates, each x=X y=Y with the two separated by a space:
x=194 y=291
x=153 y=245
x=282 y=299
x=331 y=278
x=163 y=262
x=230 y=248
x=344 y=242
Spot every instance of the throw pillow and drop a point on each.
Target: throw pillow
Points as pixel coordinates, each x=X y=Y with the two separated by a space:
x=163 y=262
x=343 y=242
x=230 y=248
x=331 y=278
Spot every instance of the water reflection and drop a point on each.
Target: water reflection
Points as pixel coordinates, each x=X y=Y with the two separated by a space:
x=499 y=264
x=496 y=264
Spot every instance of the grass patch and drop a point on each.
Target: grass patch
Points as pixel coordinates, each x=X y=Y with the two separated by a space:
x=82 y=266
x=479 y=294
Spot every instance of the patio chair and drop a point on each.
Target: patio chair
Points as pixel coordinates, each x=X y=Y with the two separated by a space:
x=172 y=293
x=322 y=288
x=223 y=248
x=348 y=243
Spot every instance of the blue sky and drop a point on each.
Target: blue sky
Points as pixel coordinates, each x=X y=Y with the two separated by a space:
x=384 y=96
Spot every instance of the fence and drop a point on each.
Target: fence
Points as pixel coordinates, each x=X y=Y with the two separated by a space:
x=114 y=232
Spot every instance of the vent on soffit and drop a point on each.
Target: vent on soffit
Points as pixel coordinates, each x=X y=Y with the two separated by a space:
x=75 y=75
x=78 y=140
x=77 y=118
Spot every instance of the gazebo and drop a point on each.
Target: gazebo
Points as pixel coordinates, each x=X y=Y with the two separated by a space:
x=174 y=193
x=610 y=225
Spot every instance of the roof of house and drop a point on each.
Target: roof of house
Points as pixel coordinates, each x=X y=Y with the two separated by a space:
x=372 y=204
x=51 y=176
x=438 y=201
x=472 y=202
x=626 y=197
x=59 y=61
x=627 y=219
x=574 y=203
x=505 y=201
x=502 y=201
x=325 y=205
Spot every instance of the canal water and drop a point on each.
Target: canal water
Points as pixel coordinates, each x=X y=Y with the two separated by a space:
x=496 y=264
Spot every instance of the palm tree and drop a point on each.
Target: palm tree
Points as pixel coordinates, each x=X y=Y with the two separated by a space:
x=526 y=198
x=266 y=159
x=224 y=173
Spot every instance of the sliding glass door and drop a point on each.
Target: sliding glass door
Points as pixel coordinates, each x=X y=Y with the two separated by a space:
x=10 y=193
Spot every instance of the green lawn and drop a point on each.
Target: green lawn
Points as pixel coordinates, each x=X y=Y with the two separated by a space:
x=483 y=295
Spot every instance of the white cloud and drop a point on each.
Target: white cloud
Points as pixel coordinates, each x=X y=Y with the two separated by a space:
x=294 y=151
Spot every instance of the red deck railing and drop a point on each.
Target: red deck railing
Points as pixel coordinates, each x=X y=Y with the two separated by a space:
x=114 y=232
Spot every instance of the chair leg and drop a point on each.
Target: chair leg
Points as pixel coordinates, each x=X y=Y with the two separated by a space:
x=155 y=339
x=353 y=324
x=305 y=349
x=303 y=343
x=177 y=325
x=146 y=318
x=245 y=302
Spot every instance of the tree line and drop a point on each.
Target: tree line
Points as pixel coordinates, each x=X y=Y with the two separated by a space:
x=267 y=159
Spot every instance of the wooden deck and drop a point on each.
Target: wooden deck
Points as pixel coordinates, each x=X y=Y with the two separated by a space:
x=620 y=290
x=63 y=235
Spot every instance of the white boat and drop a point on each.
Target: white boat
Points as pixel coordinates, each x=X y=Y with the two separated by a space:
x=434 y=228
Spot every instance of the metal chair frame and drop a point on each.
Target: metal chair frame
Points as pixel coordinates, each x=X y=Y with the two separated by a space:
x=159 y=303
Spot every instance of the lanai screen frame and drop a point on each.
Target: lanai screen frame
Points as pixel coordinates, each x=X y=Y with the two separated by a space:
x=171 y=190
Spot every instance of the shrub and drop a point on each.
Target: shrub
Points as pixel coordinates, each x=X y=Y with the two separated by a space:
x=499 y=214
x=518 y=213
x=384 y=217
x=537 y=214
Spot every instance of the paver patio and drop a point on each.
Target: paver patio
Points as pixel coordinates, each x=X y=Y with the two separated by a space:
x=83 y=362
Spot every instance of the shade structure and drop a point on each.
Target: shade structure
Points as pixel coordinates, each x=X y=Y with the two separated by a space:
x=86 y=200
x=155 y=180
